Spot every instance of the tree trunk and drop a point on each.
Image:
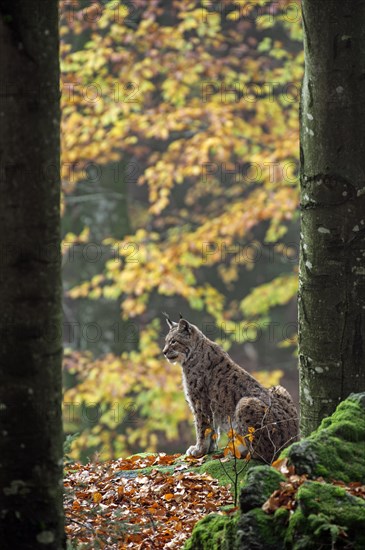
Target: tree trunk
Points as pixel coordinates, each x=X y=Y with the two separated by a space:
x=332 y=262
x=31 y=513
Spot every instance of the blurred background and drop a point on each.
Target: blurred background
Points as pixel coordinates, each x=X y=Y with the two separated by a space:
x=180 y=155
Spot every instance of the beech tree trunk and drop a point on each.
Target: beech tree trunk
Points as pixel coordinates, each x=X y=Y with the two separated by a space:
x=31 y=515
x=332 y=262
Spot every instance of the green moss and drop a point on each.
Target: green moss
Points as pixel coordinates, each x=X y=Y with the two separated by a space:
x=214 y=532
x=327 y=516
x=336 y=449
x=282 y=516
x=225 y=473
x=257 y=530
x=260 y=483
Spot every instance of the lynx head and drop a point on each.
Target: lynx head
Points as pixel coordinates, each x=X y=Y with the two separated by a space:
x=180 y=340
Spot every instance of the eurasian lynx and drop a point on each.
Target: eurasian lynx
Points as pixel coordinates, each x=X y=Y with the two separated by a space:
x=221 y=394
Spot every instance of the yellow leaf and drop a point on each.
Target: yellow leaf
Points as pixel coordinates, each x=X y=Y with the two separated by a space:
x=240 y=439
x=97 y=497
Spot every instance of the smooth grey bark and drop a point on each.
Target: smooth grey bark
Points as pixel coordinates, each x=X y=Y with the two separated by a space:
x=332 y=260
x=31 y=515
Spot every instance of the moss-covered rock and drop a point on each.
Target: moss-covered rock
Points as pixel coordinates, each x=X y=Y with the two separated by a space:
x=336 y=449
x=214 y=532
x=253 y=529
x=259 y=484
x=257 y=530
x=326 y=517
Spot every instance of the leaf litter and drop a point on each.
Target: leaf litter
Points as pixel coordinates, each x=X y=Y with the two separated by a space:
x=109 y=505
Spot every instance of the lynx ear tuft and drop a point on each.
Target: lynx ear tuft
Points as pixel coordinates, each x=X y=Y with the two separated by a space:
x=184 y=326
x=168 y=320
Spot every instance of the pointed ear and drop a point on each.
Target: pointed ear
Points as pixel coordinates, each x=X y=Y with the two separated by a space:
x=184 y=326
x=168 y=320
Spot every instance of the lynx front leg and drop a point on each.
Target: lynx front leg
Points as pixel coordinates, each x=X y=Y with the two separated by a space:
x=204 y=432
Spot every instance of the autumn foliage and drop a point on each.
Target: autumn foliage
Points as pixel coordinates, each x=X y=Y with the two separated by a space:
x=197 y=102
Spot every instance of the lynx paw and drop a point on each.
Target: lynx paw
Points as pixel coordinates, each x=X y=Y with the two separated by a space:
x=195 y=451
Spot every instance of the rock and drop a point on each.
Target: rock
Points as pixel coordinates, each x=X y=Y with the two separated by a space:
x=260 y=483
x=336 y=449
x=257 y=530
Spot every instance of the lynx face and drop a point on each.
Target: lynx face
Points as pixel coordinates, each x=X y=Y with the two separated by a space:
x=180 y=341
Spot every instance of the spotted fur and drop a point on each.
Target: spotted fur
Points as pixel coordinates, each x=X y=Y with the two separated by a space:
x=220 y=393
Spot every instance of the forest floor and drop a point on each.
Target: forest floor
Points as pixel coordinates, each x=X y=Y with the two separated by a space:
x=153 y=501
x=143 y=502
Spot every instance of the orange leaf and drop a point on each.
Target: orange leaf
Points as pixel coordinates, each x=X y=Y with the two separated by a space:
x=76 y=505
x=237 y=453
x=168 y=496
x=278 y=463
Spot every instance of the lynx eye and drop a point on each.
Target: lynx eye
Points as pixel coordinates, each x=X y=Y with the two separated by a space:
x=173 y=342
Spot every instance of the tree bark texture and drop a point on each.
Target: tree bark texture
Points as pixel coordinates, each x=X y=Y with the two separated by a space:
x=332 y=258
x=31 y=515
